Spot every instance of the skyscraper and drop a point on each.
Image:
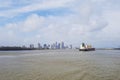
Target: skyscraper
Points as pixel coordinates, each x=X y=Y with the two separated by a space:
x=39 y=46
x=71 y=46
x=31 y=46
x=56 y=46
x=62 y=45
x=45 y=46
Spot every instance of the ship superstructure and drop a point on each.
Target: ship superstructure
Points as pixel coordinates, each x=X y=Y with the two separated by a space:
x=86 y=47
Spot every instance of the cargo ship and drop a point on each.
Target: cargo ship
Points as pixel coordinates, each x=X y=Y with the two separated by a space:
x=85 y=47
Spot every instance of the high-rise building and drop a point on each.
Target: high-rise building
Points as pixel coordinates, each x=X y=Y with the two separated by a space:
x=31 y=45
x=45 y=46
x=48 y=46
x=52 y=46
x=56 y=46
x=39 y=46
x=71 y=46
x=23 y=46
x=62 y=45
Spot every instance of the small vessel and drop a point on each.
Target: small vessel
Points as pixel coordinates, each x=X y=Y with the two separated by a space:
x=84 y=47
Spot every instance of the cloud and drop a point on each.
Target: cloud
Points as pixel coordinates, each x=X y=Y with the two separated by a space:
x=32 y=23
x=44 y=5
x=89 y=21
x=5 y=4
x=97 y=23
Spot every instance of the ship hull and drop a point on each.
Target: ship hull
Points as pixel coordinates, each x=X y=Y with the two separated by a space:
x=90 y=49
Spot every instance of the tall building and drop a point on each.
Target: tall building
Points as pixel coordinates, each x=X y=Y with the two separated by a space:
x=39 y=46
x=31 y=45
x=48 y=46
x=62 y=45
x=52 y=46
x=23 y=46
x=71 y=46
x=56 y=46
x=45 y=46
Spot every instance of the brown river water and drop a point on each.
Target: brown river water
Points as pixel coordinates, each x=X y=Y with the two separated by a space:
x=60 y=65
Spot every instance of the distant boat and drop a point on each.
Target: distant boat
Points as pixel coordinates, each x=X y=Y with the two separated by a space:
x=84 y=47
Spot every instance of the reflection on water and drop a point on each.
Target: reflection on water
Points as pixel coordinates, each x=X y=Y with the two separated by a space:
x=60 y=65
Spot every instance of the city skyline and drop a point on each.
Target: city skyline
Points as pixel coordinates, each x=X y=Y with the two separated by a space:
x=94 y=22
x=39 y=46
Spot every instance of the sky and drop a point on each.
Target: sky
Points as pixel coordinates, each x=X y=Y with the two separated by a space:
x=95 y=22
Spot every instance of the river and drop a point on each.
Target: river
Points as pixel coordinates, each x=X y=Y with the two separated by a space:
x=60 y=65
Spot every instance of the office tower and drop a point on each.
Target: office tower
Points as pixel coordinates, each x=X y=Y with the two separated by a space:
x=31 y=45
x=58 y=46
x=45 y=46
x=70 y=46
x=39 y=46
x=48 y=46
x=62 y=45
